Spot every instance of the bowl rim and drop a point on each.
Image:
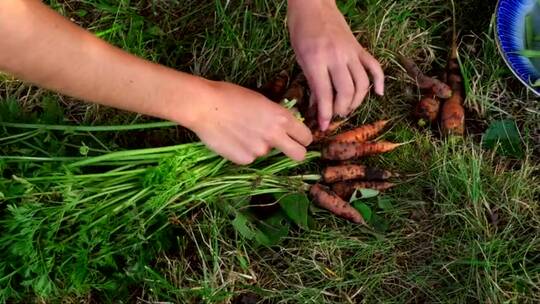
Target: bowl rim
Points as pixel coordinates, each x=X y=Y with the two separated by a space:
x=504 y=56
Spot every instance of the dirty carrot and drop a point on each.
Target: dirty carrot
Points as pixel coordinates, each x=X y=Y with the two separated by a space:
x=362 y=133
x=346 y=189
x=438 y=87
x=340 y=173
x=427 y=109
x=310 y=117
x=453 y=116
x=276 y=87
x=319 y=135
x=339 y=150
x=327 y=199
x=452 y=112
x=297 y=89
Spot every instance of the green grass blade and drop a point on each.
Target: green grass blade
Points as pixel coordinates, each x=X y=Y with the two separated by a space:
x=67 y=128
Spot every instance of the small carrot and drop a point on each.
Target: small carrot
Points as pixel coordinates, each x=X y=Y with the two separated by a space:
x=338 y=150
x=276 y=87
x=428 y=109
x=319 y=135
x=452 y=111
x=340 y=173
x=297 y=89
x=441 y=89
x=327 y=199
x=310 y=114
x=346 y=189
x=438 y=87
x=455 y=81
x=362 y=133
x=453 y=116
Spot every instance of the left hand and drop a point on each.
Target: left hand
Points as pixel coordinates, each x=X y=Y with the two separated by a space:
x=331 y=58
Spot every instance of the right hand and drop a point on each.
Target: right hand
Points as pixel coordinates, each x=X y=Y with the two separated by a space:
x=241 y=125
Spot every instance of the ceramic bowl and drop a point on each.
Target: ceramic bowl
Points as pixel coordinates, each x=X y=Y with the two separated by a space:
x=510 y=29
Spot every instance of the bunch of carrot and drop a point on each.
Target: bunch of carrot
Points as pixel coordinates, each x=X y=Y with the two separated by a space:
x=345 y=176
x=429 y=109
x=341 y=179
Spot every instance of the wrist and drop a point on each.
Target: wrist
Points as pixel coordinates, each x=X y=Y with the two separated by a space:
x=303 y=5
x=299 y=10
x=186 y=99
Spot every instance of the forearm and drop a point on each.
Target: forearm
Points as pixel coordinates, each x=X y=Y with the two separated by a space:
x=42 y=47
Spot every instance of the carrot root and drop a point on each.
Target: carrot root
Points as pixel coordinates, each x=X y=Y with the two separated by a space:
x=347 y=172
x=362 y=133
x=453 y=116
x=452 y=112
x=339 y=150
x=428 y=109
x=346 y=189
x=438 y=87
x=441 y=89
x=327 y=199
x=319 y=135
x=276 y=87
x=297 y=89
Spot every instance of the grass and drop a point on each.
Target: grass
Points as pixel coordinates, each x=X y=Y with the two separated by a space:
x=463 y=227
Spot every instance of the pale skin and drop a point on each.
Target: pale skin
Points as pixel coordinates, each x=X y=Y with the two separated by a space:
x=42 y=47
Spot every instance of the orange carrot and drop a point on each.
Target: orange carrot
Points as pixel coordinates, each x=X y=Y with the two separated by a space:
x=339 y=150
x=310 y=113
x=276 y=87
x=346 y=189
x=452 y=112
x=362 y=133
x=454 y=72
x=327 y=199
x=453 y=116
x=438 y=87
x=340 y=173
x=319 y=135
x=297 y=89
x=441 y=89
x=427 y=109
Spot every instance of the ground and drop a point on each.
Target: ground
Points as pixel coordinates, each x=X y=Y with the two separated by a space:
x=463 y=227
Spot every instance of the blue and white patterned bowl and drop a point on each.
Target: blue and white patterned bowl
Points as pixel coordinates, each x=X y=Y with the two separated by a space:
x=510 y=27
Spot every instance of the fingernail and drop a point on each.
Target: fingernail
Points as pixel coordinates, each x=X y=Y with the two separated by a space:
x=380 y=91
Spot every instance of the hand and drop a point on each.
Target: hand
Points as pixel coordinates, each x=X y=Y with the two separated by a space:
x=331 y=58
x=241 y=125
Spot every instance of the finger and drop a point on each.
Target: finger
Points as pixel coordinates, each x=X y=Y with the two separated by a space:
x=321 y=87
x=259 y=149
x=361 y=83
x=299 y=132
x=244 y=159
x=344 y=86
x=234 y=153
x=290 y=147
x=375 y=70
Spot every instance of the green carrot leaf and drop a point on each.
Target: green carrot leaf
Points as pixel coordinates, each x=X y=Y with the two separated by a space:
x=272 y=230
x=504 y=135
x=295 y=206
x=368 y=193
x=379 y=223
x=243 y=226
x=385 y=204
x=364 y=209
